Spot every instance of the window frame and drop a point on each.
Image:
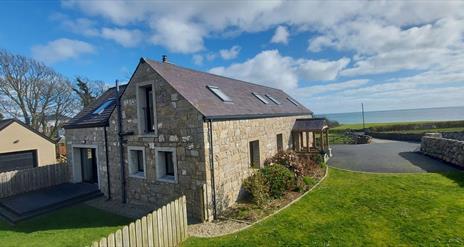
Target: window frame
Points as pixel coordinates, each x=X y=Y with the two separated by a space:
x=141 y=98
x=219 y=93
x=136 y=173
x=293 y=101
x=280 y=137
x=273 y=99
x=251 y=152
x=102 y=107
x=159 y=170
x=260 y=98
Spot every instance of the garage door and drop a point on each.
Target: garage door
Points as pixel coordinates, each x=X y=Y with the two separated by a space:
x=18 y=160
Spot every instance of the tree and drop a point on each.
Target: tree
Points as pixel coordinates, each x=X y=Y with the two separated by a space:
x=88 y=90
x=34 y=92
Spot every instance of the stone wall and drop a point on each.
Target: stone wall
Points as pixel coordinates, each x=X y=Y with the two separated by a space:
x=454 y=135
x=231 y=151
x=449 y=150
x=179 y=126
x=410 y=137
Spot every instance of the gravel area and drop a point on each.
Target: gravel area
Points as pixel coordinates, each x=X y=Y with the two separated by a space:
x=116 y=207
x=213 y=229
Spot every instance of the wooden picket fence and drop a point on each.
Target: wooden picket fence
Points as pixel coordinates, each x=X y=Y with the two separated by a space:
x=20 y=181
x=166 y=226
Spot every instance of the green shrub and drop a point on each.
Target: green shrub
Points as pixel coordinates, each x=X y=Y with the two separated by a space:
x=310 y=181
x=289 y=159
x=279 y=179
x=258 y=187
x=317 y=158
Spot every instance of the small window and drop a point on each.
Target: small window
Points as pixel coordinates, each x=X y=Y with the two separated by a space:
x=146 y=109
x=293 y=101
x=261 y=98
x=273 y=99
x=254 y=154
x=280 y=143
x=103 y=106
x=166 y=165
x=219 y=93
x=137 y=161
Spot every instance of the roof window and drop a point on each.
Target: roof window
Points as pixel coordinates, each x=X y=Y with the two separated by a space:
x=103 y=106
x=273 y=99
x=221 y=95
x=293 y=101
x=261 y=98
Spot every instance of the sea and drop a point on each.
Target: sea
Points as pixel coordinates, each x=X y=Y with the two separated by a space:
x=407 y=115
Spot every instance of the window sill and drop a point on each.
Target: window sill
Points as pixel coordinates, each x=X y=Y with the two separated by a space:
x=139 y=175
x=148 y=135
x=168 y=179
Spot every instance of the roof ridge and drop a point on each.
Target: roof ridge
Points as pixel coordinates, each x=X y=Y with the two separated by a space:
x=204 y=72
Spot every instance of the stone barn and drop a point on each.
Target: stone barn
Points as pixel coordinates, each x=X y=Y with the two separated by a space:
x=173 y=131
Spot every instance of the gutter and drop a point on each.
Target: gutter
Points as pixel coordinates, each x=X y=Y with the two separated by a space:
x=255 y=116
x=120 y=140
x=211 y=162
x=107 y=164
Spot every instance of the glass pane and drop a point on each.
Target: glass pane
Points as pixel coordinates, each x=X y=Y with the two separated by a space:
x=169 y=163
x=261 y=98
x=273 y=99
x=219 y=93
x=139 y=161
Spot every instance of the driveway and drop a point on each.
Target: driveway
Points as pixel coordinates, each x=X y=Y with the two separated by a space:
x=386 y=156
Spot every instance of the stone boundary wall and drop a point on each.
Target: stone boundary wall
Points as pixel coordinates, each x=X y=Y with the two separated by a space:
x=449 y=150
x=454 y=135
x=414 y=137
x=410 y=137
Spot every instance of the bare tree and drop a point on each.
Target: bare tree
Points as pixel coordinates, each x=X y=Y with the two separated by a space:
x=33 y=91
x=88 y=90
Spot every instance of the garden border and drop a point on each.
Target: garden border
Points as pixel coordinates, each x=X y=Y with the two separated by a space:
x=272 y=214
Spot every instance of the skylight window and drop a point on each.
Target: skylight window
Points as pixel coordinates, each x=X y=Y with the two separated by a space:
x=103 y=106
x=261 y=98
x=219 y=93
x=293 y=101
x=273 y=99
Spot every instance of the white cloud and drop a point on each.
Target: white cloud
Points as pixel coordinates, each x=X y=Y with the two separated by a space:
x=321 y=69
x=267 y=68
x=200 y=19
x=271 y=68
x=230 y=53
x=178 y=36
x=318 y=43
x=198 y=59
x=330 y=87
x=60 y=50
x=281 y=35
x=124 y=37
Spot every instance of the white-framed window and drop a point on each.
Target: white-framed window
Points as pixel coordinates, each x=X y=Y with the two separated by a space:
x=146 y=108
x=137 y=162
x=166 y=164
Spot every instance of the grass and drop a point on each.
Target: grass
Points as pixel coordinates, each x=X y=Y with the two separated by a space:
x=79 y=225
x=361 y=209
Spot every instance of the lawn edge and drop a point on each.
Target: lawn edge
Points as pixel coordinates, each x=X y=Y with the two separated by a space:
x=390 y=173
x=272 y=214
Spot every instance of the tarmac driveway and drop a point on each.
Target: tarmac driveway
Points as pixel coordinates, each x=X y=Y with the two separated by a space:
x=386 y=156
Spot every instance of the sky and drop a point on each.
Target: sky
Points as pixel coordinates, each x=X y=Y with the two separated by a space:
x=330 y=55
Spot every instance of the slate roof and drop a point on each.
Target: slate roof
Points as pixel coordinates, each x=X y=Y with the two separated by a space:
x=192 y=85
x=6 y=122
x=310 y=124
x=87 y=119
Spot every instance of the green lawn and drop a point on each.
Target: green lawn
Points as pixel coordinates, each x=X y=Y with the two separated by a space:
x=74 y=226
x=360 y=209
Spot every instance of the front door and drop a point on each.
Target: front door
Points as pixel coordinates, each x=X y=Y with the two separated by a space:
x=89 y=165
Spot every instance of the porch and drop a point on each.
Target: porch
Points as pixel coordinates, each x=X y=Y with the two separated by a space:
x=310 y=136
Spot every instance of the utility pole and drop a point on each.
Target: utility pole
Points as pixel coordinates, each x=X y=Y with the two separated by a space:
x=364 y=122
